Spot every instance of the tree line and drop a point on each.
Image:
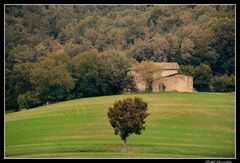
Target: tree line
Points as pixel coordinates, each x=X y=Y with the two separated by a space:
x=58 y=77
x=57 y=52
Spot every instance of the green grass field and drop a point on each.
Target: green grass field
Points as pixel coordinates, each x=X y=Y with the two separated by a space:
x=180 y=125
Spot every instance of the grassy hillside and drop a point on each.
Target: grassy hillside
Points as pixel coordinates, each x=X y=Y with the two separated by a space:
x=180 y=125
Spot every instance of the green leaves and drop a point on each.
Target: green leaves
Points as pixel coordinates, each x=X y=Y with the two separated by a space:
x=127 y=116
x=101 y=74
x=51 y=75
x=188 y=35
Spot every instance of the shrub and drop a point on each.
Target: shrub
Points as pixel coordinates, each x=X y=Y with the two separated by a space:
x=28 y=100
x=224 y=83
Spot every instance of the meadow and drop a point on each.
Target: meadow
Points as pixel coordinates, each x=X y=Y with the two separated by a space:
x=180 y=125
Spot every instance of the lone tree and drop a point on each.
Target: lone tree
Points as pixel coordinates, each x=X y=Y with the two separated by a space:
x=127 y=116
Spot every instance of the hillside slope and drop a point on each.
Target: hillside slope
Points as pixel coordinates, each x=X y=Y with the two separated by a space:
x=180 y=125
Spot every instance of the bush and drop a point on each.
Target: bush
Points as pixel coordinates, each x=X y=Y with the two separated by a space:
x=28 y=100
x=224 y=83
x=127 y=116
x=202 y=76
x=21 y=101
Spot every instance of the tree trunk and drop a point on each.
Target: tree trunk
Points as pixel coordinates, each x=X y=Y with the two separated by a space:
x=125 y=144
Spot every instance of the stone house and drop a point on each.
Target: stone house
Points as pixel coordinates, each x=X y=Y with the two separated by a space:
x=167 y=79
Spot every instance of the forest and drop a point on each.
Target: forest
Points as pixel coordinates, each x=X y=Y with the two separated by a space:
x=61 y=52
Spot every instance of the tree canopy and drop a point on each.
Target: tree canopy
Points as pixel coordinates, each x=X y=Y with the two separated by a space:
x=198 y=37
x=128 y=116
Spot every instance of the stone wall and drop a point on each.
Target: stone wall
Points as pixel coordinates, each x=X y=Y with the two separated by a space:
x=168 y=72
x=178 y=83
x=167 y=80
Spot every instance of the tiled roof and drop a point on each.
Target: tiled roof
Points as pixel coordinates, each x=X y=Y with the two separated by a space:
x=168 y=65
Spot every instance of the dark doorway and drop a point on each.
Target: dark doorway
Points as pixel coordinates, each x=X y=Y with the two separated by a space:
x=161 y=87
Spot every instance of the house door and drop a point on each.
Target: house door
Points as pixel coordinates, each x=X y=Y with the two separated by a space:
x=161 y=87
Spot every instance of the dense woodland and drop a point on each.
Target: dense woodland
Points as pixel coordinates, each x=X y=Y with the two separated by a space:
x=56 y=52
